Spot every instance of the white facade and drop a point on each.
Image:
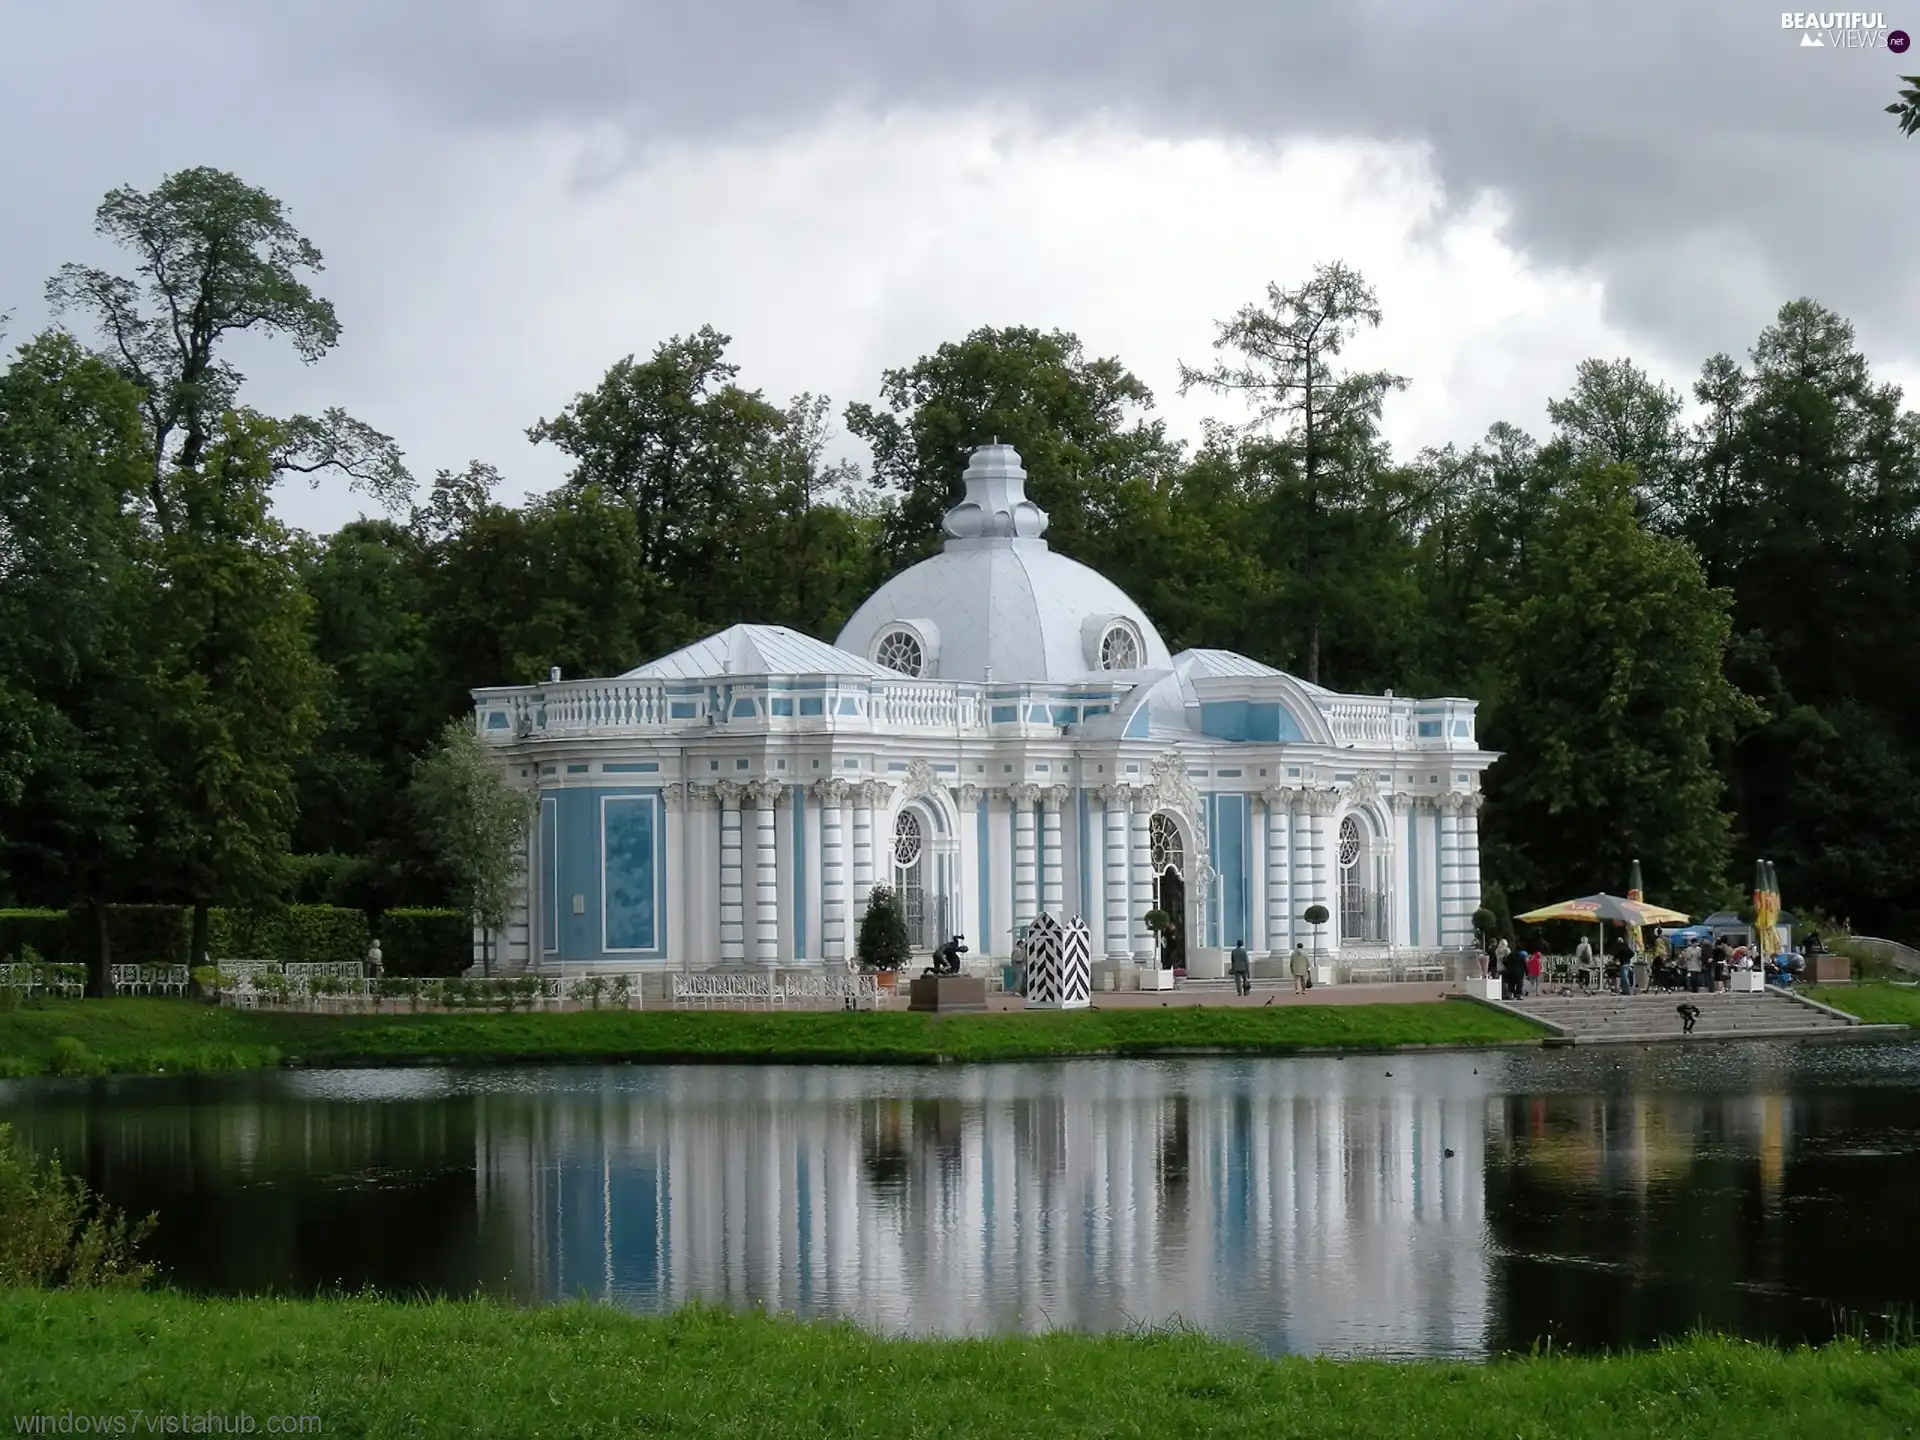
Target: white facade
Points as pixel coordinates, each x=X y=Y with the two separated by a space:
x=998 y=731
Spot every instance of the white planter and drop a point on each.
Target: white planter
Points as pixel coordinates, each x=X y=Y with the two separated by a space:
x=1481 y=988
x=1206 y=964
x=1748 y=982
x=1323 y=973
x=1152 y=977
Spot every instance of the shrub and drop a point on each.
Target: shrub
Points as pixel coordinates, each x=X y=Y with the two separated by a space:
x=72 y=1057
x=425 y=942
x=883 y=943
x=55 y=1234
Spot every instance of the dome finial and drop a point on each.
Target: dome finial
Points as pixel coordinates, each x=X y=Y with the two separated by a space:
x=995 y=505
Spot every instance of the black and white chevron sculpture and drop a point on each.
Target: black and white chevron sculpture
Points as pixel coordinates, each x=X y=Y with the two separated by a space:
x=1059 y=964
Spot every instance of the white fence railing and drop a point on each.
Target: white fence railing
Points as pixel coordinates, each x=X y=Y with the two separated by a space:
x=149 y=979
x=43 y=978
x=713 y=989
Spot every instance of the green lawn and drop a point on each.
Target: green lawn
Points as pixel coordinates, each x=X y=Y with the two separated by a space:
x=1878 y=1004
x=386 y=1368
x=140 y=1036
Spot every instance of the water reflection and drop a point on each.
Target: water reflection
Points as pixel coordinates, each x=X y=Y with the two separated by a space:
x=1287 y=1206
x=1457 y=1205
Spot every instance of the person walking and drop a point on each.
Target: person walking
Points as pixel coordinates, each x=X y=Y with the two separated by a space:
x=1298 y=965
x=1242 y=970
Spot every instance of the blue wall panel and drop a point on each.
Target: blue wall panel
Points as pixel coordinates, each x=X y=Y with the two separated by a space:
x=547 y=867
x=1231 y=852
x=620 y=881
x=629 y=868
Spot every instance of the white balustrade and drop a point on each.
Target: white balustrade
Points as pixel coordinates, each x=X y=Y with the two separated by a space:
x=1359 y=721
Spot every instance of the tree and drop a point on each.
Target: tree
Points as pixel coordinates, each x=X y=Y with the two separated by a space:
x=237 y=678
x=476 y=822
x=1618 y=415
x=216 y=258
x=1907 y=107
x=1283 y=363
x=883 y=943
x=1083 y=428
x=1606 y=689
x=75 y=605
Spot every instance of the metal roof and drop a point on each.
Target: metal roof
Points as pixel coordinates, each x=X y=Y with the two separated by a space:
x=758 y=650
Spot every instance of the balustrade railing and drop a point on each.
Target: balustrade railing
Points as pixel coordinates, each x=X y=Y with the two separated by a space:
x=1356 y=722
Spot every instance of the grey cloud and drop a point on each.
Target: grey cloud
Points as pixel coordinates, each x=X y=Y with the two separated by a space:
x=1617 y=133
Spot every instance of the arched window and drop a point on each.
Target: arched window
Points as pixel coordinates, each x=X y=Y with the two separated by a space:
x=1119 y=648
x=1363 y=899
x=1167 y=853
x=900 y=650
x=909 y=876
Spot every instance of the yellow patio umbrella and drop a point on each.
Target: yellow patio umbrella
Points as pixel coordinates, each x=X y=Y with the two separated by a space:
x=1603 y=907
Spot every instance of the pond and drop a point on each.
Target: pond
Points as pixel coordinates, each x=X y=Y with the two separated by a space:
x=1412 y=1205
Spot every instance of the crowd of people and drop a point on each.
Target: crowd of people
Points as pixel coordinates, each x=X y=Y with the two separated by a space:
x=1700 y=964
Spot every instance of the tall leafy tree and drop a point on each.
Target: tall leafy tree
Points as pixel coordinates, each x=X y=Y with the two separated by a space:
x=215 y=258
x=237 y=681
x=74 y=602
x=1084 y=429
x=1606 y=689
x=476 y=822
x=1282 y=358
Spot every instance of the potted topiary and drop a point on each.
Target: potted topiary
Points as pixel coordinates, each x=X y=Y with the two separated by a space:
x=882 y=945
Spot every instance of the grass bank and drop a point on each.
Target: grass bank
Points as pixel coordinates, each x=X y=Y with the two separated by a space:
x=139 y=1036
x=1875 y=1003
x=385 y=1368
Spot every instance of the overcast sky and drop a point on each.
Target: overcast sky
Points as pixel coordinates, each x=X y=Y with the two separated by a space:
x=512 y=196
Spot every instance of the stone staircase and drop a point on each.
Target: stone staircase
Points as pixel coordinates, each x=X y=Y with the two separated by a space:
x=1631 y=1019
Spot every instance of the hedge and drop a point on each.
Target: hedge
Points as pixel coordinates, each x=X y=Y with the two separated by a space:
x=163 y=934
x=425 y=942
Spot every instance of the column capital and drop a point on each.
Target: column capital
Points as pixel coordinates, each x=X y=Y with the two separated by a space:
x=730 y=793
x=1471 y=802
x=1114 y=796
x=1281 y=799
x=1322 y=802
x=1021 y=793
x=674 y=797
x=1143 y=799
x=1055 y=797
x=1399 y=802
x=765 y=794
x=699 y=796
x=1452 y=802
x=968 y=794
x=873 y=792
x=831 y=791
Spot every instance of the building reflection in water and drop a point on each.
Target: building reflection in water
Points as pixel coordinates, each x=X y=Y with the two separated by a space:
x=1313 y=1206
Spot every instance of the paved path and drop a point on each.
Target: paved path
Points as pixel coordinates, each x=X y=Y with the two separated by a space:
x=1629 y=1019
x=1264 y=993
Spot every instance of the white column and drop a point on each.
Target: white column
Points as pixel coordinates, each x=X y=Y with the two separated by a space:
x=833 y=879
x=1114 y=799
x=1052 y=864
x=733 y=932
x=971 y=862
x=1300 y=895
x=862 y=850
x=1025 y=897
x=1279 y=873
x=674 y=854
x=1320 y=809
x=1470 y=857
x=1140 y=871
x=998 y=862
x=766 y=875
x=1451 y=930
x=813 y=932
x=703 y=874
